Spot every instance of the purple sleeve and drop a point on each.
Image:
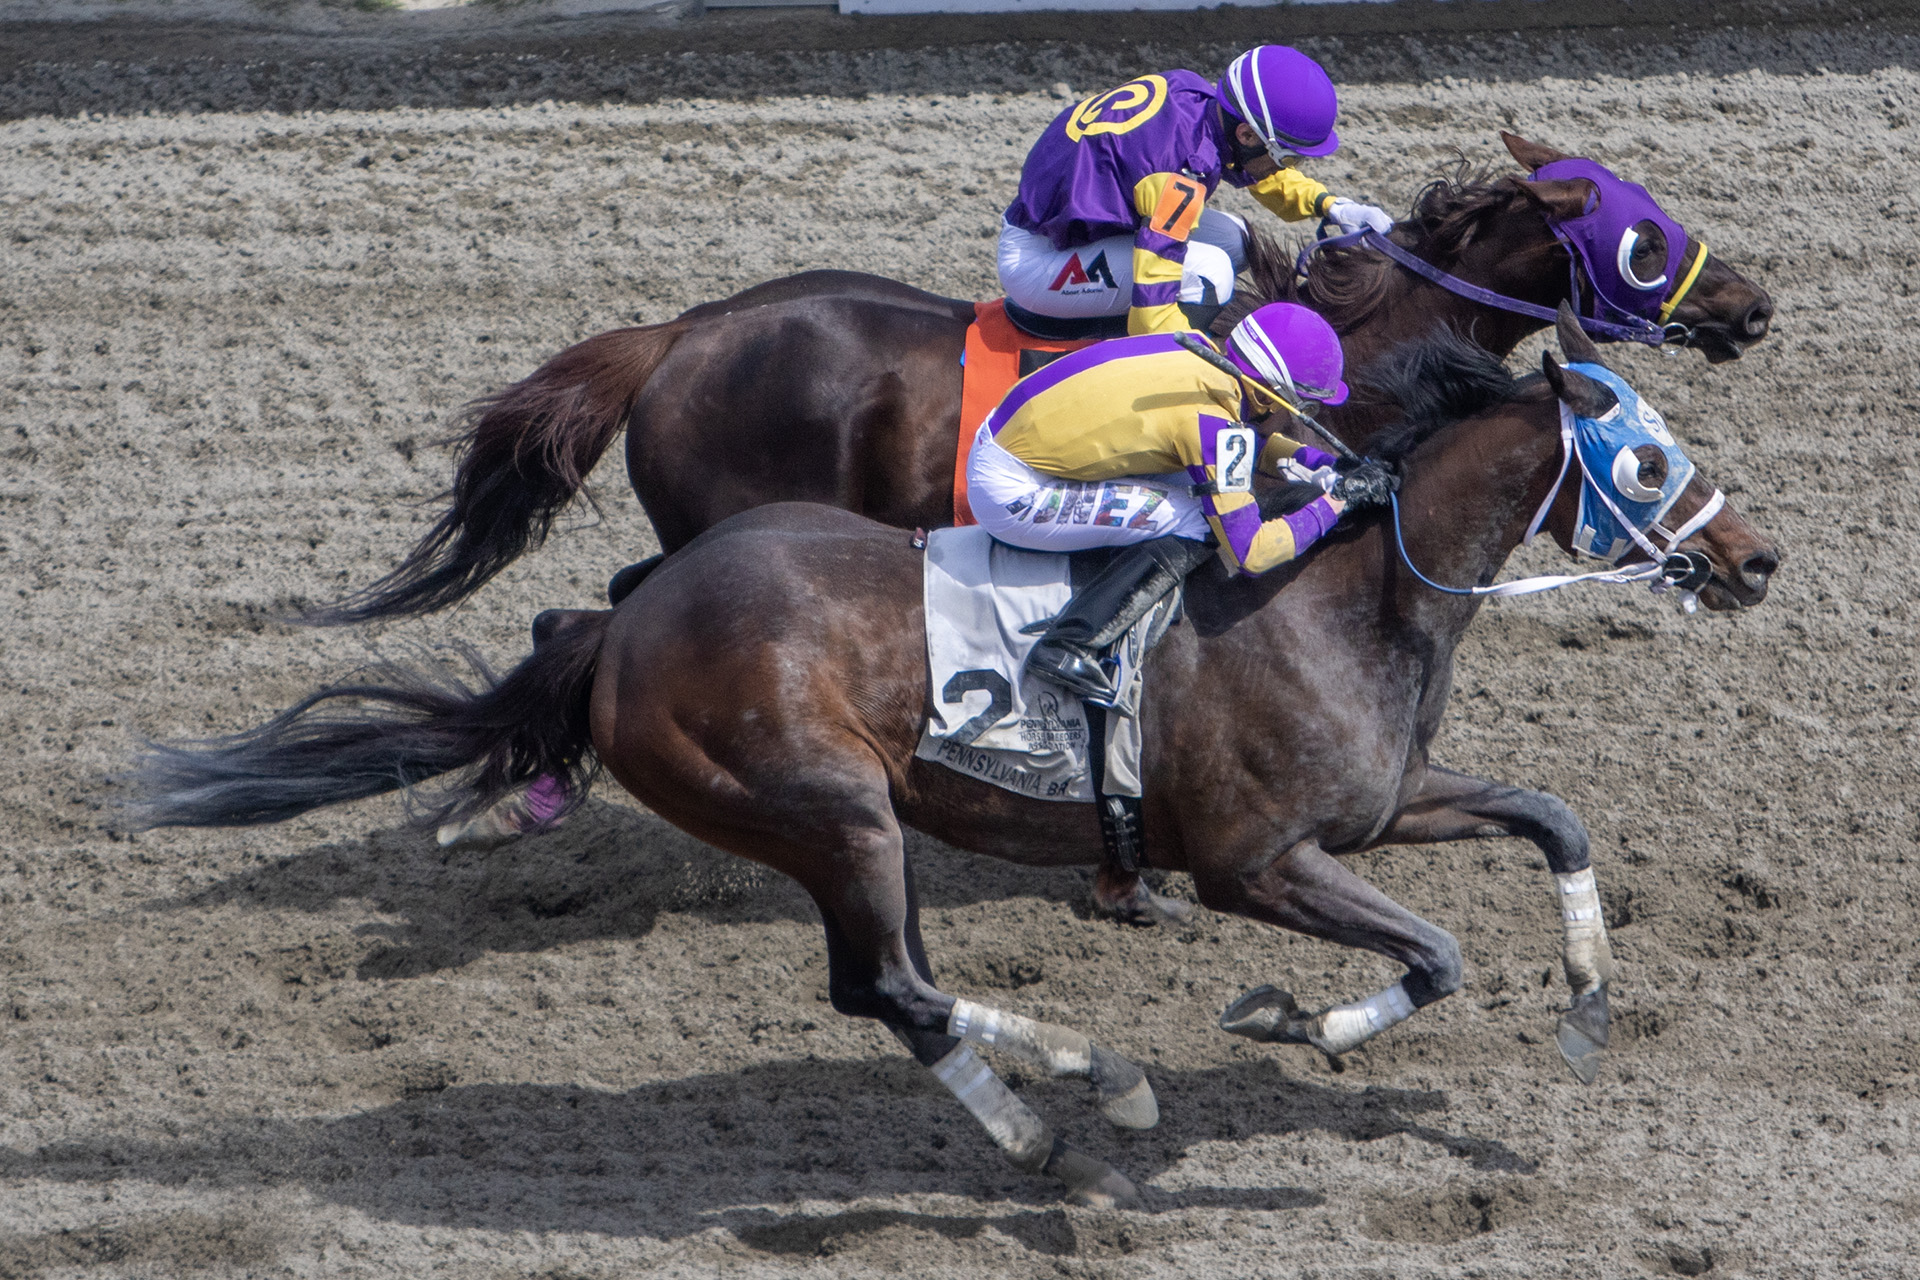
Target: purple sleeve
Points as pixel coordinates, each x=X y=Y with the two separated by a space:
x=1310 y=522
x=1313 y=459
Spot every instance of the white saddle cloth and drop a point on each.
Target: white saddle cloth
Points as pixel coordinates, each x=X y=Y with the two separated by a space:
x=990 y=720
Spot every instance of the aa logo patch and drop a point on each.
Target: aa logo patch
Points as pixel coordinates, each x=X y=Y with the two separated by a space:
x=1095 y=272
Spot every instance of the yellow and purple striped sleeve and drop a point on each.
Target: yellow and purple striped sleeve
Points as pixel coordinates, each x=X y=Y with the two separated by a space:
x=1250 y=545
x=1277 y=450
x=1169 y=205
x=1291 y=195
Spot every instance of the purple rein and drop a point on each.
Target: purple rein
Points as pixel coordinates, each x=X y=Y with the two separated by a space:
x=1634 y=329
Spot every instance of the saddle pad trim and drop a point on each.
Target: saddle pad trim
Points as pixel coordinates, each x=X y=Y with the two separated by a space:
x=989 y=368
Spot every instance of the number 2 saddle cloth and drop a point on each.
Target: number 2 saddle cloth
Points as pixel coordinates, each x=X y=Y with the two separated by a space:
x=990 y=720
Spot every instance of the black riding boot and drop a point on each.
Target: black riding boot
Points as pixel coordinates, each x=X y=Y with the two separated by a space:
x=1068 y=651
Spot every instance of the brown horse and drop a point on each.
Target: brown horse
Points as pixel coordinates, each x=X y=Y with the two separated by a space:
x=842 y=388
x=765 y=689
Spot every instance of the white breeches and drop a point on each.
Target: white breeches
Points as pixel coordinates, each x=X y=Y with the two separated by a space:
x=1027 y=508
x=1097 y=279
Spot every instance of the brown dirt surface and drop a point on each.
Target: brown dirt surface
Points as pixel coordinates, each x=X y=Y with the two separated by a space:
x=228 y=342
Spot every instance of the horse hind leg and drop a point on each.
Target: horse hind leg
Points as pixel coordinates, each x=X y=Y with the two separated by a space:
x=1457 y=806
x=885 y=976
x=541 y=805
x=1308 y=891
x=877 y=968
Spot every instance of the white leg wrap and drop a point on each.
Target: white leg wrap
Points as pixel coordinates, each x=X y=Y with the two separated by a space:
x=1589 y=957
x=1057 y=1050
x=1012 y=1125
x=1348 y=1026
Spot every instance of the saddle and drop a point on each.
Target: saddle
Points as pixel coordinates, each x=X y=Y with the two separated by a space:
x=1000 y=352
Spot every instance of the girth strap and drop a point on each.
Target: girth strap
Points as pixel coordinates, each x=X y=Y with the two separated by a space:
x=1122 y=834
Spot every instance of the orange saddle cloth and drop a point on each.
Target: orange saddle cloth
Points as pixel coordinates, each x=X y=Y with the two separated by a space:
x=998 y=355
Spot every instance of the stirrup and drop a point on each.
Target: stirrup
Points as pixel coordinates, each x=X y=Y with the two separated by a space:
x=1075 y=668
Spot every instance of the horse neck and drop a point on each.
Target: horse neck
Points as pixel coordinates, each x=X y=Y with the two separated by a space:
x=1518 y=258
x=1469 y=493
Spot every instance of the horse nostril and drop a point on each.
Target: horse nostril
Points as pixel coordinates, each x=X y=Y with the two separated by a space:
x=1757 y=568
x=1758 y=317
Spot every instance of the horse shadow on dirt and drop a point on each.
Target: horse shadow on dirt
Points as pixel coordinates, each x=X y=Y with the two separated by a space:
x=679 y=1157
x=610 y=872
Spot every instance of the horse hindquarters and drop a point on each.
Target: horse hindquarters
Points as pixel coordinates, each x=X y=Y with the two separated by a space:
x=852 y=402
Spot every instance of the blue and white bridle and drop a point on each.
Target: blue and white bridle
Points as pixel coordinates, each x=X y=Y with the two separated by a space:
x=1616 y=512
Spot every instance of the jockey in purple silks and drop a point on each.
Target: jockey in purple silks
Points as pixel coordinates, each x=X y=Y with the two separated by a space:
x=1143 y=444
x=1111 y=216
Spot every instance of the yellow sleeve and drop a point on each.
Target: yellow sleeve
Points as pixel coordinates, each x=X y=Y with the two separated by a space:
x=1291 y=195
x=1169 y=205
x=1275 y=451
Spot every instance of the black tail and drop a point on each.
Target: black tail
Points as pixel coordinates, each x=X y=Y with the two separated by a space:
x=408 y=726
x=524 y=455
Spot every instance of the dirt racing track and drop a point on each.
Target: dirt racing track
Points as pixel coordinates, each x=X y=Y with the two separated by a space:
x=228 y=342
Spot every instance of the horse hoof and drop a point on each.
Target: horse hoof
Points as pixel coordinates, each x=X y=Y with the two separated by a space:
x=1137 y=1108
x=488 y=829
x=1126 y=1099
x=1265 y=1013
x=1582 y=1035
x=1093 y=1183
x=1141 y=907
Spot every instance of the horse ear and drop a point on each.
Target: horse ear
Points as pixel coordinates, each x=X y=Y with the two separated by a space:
x=1587 y=398
x=1531 y=155
x=1574 y=342
x=1561 y=199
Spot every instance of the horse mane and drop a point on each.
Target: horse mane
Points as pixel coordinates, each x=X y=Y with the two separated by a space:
x=1347 y=284
x=1436 y=382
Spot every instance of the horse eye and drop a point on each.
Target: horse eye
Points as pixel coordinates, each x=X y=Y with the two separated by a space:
x=1651 y=249
x=1642 y=256
x=1653 y=466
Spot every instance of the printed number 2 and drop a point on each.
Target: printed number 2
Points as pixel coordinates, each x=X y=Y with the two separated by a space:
x=1233 y=449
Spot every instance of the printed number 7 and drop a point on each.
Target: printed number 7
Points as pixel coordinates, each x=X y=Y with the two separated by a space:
x=1187 y=193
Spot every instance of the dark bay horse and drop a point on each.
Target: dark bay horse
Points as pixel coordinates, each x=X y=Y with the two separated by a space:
x=844 y=388
x=765 y=688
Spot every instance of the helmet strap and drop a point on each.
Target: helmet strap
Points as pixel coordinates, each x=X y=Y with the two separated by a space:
x=1238 y=152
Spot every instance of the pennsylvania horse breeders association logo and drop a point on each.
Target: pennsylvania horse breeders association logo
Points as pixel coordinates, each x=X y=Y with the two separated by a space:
x=1075 y=278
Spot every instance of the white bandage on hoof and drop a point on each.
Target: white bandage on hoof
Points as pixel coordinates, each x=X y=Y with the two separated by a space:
x=1057 y=1050
x=1012 y=1125
x=1589 y=956
x=1348 y=1026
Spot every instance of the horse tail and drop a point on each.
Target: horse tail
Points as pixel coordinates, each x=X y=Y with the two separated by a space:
x=399 y=727
x=525 y=451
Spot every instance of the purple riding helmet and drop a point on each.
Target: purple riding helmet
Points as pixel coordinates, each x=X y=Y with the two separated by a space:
x=1604 y=237
x=1287 y=98
x=1292 y=350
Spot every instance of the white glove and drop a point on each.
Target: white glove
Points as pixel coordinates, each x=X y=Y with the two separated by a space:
x=1325 y=477
x=1351 y=216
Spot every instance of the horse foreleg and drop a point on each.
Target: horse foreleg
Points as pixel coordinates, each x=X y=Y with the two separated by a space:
x=1456 y=806
x=1308 y=891
x=1124 y=896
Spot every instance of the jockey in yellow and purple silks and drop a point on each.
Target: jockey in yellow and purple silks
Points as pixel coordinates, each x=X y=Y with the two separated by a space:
x=1112 y=212
x=1140 y=443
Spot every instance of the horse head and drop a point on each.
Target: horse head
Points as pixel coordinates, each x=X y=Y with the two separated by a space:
x=1504 y=252
x=1644 y=475
x=1703 y=301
